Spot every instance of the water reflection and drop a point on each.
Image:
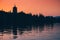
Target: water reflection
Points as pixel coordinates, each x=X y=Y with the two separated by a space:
x=14 y=32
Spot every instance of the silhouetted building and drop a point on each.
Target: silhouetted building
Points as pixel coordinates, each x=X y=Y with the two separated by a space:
x=14 y=9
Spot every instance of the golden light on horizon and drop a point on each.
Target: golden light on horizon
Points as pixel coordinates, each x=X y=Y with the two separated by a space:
x=46 y=7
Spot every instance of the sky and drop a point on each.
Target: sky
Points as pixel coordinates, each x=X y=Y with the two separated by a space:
x=45 y=7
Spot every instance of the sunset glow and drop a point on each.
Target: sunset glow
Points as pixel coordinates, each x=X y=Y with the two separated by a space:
x=46 y=7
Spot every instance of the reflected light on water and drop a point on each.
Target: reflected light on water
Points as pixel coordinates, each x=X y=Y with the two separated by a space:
x=42 y=32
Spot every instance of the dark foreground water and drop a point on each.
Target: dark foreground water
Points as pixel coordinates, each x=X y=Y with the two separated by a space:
x=42 y=32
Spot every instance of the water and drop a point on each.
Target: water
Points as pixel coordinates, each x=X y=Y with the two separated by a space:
x=42 y=32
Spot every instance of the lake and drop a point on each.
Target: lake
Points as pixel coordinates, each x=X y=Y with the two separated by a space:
x=41 y=32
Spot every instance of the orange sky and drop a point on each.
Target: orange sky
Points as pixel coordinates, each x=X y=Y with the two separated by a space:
x=46 y=7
